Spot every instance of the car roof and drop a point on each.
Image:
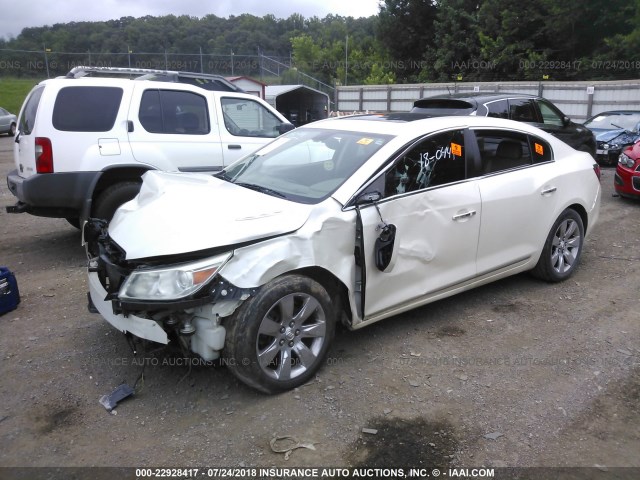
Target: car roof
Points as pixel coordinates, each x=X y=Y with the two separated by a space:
x=408 y=125
x=405 y=128
x=617 y=112
x=60 y=82
x=480 y=97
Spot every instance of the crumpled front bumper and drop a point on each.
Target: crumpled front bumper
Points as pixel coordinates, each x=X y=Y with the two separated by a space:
x=140 y=327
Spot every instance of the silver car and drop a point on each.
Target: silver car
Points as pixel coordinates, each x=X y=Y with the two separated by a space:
x=350 y=220
x=8 y=122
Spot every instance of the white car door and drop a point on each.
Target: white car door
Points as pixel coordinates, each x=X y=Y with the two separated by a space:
x=172 y=129
x=245 y=125
x=518 y=184
x=436 y=215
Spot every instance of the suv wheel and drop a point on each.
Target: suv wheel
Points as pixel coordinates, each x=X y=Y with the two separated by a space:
x=111 y=198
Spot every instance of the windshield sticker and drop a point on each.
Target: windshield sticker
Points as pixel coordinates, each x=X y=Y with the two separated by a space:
x=539 y=149
x=365 y=141
x=456 y=149
x=328 y=165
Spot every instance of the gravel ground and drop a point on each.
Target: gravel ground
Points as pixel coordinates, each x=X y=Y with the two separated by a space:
x=518 y=373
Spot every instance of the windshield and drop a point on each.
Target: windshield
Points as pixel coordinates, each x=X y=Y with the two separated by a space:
x=305 y=165
x=628 y=121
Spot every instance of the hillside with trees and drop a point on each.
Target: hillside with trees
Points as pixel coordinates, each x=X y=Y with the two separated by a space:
x=408 y=41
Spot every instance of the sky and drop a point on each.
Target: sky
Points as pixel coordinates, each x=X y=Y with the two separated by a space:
x=14 y=16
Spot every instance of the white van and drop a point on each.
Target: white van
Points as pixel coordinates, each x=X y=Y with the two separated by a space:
x=84 y=141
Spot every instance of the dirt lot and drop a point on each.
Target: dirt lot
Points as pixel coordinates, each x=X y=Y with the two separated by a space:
x=517 y=373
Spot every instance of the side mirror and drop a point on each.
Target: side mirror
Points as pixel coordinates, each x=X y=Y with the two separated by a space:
x=566 y=120
x=368 y=198
x=285 y=127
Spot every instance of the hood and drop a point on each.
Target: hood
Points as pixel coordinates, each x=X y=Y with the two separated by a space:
x=179 y=213
x=617 y=137
x=607 y=135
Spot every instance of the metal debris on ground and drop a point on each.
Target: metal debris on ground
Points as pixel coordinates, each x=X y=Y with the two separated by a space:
x=287 y=444
x=110 y=401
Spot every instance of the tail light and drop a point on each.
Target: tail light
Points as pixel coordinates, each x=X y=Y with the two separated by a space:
x=44 y=155
x=596 y=169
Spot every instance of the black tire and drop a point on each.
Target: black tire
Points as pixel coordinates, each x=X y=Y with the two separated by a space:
x=111 y=198
x=12 y=130
x=74 y=222
x=269 y=328
x=562 y=249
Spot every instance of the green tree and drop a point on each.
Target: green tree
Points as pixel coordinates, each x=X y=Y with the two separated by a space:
x=512 y=36
x=457 y=48
x=406 y=29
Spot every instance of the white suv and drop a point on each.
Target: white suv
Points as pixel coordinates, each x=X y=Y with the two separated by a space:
x=84 y=141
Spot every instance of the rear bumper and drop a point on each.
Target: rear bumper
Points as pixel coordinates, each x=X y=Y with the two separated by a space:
x=57 y=195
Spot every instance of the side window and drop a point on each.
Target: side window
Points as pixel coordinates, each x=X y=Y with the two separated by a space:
x=247 y=118
x=550 y=115
x=28 y=118
x=522 y=110
x=436 y=160
x=540 y=150
x=86 y=109
x=502 y=150
x=175 y=112
x=499 y=109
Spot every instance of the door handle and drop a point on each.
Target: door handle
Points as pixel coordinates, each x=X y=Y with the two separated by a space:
x=548 y=190
x=461 y=216
x=234 y=147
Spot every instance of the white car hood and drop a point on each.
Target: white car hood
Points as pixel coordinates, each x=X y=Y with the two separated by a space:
x=179 y=213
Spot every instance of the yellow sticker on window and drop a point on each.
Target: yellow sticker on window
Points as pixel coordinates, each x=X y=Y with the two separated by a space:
x=456 y=149
x=365 y=141
x=539 y=149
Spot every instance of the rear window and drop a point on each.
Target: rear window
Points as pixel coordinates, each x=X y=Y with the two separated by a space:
x=443 y=106
x=28 y=118
x=86 y=109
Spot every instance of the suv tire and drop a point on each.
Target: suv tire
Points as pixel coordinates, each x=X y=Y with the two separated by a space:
x=111 y=198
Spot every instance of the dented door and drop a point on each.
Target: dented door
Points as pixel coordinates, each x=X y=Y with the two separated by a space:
x=436 y=214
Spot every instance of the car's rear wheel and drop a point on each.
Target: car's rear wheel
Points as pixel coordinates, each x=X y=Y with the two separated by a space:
x=112 y=197
x=12 y=130
x=562 y=249
x=277 y=339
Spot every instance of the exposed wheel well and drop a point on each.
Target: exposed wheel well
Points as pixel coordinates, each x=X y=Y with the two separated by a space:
x=116 y=175
x=337 y=291
x=580 y=210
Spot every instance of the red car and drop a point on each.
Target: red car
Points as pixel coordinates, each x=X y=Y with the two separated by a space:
x=627 y=177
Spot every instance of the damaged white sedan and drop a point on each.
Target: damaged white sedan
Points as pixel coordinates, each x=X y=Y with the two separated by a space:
x=354 y=220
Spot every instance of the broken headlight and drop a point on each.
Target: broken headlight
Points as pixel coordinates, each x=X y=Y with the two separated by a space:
x=171 y=283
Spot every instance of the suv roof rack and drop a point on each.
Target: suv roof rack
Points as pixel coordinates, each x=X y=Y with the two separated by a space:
x=203 y=80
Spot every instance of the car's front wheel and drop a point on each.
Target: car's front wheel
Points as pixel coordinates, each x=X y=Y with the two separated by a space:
x=277 y=339
x=562 y=249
